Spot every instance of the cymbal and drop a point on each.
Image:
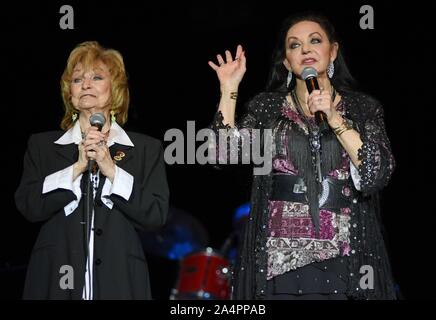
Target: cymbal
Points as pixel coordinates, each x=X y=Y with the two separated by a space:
x=180 y=236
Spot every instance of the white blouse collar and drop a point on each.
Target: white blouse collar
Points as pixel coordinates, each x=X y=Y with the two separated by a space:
x=116 y=135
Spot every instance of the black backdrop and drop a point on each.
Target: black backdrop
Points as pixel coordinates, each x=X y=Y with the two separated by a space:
x=166 y=48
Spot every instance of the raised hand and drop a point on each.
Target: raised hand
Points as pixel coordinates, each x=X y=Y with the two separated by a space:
x=231 y=71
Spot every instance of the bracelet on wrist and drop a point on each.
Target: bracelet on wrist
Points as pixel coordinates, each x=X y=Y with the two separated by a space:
x=345 y=126
x=233 y=95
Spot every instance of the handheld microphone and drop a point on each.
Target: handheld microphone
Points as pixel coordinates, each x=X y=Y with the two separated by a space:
x=96 y=120
x=309 y=75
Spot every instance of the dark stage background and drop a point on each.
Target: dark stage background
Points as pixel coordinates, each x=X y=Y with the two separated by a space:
x=166 y=48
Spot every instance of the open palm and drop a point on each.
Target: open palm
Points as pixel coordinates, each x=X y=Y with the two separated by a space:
x=231 y=71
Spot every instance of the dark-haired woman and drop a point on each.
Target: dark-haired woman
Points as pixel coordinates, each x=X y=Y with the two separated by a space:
x=314 y=230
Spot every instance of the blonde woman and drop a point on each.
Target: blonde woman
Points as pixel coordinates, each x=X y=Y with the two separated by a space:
x=128 y=181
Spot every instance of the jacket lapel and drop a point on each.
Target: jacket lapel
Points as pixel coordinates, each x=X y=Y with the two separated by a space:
x=69 y=152
x=121 y=154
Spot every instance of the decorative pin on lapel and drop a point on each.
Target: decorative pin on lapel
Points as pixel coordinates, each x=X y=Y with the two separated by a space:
x=119 y=156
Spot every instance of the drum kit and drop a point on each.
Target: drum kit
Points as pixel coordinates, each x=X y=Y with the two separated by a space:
x=204 y=273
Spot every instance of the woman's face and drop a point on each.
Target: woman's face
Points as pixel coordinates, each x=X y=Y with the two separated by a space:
x=91 y=89
x=307 y=45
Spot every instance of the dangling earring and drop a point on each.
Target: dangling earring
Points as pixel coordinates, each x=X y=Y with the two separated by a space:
x=331 y=70
x=74 y=116
x=113 y=118
x=289 y=79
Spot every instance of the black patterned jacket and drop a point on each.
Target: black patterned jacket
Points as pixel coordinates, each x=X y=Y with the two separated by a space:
x=377 y=165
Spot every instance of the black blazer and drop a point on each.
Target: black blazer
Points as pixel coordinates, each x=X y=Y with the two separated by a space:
x=120 y=268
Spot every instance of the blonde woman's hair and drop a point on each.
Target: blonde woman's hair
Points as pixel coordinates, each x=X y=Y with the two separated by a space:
x=89 y=54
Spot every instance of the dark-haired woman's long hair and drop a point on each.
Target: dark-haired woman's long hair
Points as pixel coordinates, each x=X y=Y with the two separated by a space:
x=342 y=79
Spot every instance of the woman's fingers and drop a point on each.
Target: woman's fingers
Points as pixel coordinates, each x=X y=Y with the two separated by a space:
x=213 y=65
x=317 y=98
x=92 y=130
x=93 y=137
x=240 y=55
x=228 y=57
x=94 y=152
x=238 y=52
x=319 y=102
x=243 y=60
x=95 y=134
x=97 y=147
x=88 y=142
x=220 y=60
x=91 y=147
x=314 y=95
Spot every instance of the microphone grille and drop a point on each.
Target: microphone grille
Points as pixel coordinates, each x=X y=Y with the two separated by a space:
x=309 y=72
x=97 y=120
